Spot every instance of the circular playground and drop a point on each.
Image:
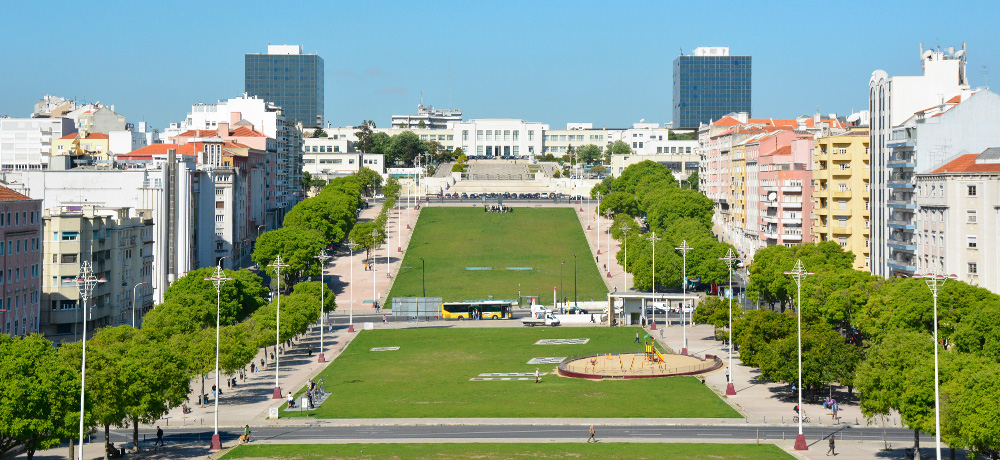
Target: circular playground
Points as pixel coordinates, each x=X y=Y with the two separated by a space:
x=633 y=365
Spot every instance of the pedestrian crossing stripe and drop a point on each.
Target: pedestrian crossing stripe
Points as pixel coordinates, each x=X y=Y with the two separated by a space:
x=385 y=349
x=553 y=360
x=562 y=341
x=499 y=379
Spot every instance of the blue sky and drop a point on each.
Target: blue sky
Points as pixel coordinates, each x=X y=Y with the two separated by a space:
x=550 y=61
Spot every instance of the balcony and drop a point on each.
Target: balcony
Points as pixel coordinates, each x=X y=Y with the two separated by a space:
x=792 y=237
x=820 y=228
x=837 y=172
x=770 y=219
x=770 y=204
x=791 y=204
x=902 y=266
x=842 y=194
x=769 y=234
x=901 y=204
x=902 y=245
x=841 y=230
x=901 y=224
x=792 y=220
x=770 y=187
x=841 y=212
x=896 y=143
x=791 y=188
x=898 y=183
x=901 y=164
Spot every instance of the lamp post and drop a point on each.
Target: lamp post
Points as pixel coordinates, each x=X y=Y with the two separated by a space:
x=625 y=247
x=597 y=217
x=323 y=257
x=219 y=278
x=133 y=300
x=399 y=233
x=798 y=274
x=374 y=260
x=684 y=254
x=350 y=261
x=560 y=281
x=277 y=265
x=607 y=215
x=574 y=281
x=935 y=283
x=730 y=258
x=423 y=278
x=654 y=239
x=86 y=282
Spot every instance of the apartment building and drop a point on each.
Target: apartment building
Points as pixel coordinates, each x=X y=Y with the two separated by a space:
x=841 y=193
x=89 y=148
x=427 y=117
x=118 y=243
x=26 y=143
x=958 y=219
x=20 y=262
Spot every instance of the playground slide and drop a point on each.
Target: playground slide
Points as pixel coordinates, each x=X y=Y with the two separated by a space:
x=659 y=355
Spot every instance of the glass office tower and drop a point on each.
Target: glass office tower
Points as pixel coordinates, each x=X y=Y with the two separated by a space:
x=289 y=79
x=708 y=85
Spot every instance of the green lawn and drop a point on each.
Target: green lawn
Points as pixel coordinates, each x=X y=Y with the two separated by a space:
x=497 y=451
x=429 y=377
x=451 y=239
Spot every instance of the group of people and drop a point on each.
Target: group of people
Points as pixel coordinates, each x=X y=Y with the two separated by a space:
x=831 y=404
x=310 y=391
x=498 y=208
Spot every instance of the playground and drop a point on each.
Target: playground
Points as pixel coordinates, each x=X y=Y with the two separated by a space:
x=469 y=254
x=650 y=363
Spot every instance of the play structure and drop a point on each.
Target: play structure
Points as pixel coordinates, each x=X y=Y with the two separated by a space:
x=648 y=363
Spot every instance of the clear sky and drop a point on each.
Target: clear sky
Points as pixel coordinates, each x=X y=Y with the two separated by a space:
x=609 y=63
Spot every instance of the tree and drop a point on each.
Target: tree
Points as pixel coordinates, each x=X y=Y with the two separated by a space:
x=618 y=203
x=675 y=136
x=331 y=218
x=361 y=235
x=319 y=133
x=404 y=148
x=421 y=124
x=380 y=143
x=157 y=378
x=825 y=358
x=38 y=395
x=237 y=298
x=298 y=248
x=556 y=174
x=758 y=328
x=970 y=410
x=181 y=314
x=589 y=153
x=618 y=147
x=642 y=171
x=603 y=188
x=692 y=181
x=364 y=135
x=599 y=169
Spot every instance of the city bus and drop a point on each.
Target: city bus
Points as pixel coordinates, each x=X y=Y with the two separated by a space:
x=487 y=309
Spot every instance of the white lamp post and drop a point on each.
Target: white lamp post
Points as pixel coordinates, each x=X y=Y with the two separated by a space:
x=350 y=323
x=654 y=239
x=798 y=274
x=219 y=278
x=374 y=260
x=607 y=214
x=399 y=232
x=277 y=265
x=323 y=257
x=597 y=217
x=133 y=300
x=935 y=283
x=86 y=282
x=684 y=253
x=730 y=258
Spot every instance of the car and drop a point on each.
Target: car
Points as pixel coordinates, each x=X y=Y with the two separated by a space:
x=379 y=196
x=536 y=195
x=465 y=195
x=576 y=311
x=454 y=195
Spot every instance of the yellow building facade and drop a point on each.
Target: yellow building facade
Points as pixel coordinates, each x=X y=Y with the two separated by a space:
x=96 y=145
x=841 y=204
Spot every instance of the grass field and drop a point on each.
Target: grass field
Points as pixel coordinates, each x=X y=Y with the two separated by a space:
x=451 y=239
x=429 y=377
x=498 y=451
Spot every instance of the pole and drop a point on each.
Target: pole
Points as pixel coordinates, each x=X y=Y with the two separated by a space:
x=219 y=278
x=654 y=239
x=935 y=283
x=798 y=274
x=684 y=253
x=277 y=266
x=133 y=301
x=560 y=281
x=323 y=257
x=423 y=276
x=350 y=323
x=574 y=281
x=86 y=282
x=597 y=217
x=374 y=263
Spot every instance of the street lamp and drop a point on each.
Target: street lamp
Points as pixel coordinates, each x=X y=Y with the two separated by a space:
x=423 y=277
x=350 y=261
x=935 y=283
x=607 y=215
x=323 y=257
x=730 y=258
x=574 y=282
x=277 y=265
x=654 y=239
x=597 y=218
x=399 y=232
x=561 y=280
x=133 y=300
x=798 y=274
x=86 y=282
x=374 y=260
x=684 y=254
x=219 y=278
x=624 y=228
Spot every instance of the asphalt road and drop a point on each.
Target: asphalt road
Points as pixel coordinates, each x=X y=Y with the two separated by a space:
x=532 y=433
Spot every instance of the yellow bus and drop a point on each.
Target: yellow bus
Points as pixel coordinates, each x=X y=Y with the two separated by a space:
x=487 y=309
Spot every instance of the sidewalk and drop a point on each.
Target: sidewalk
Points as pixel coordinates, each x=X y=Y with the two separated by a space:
x=606 y=258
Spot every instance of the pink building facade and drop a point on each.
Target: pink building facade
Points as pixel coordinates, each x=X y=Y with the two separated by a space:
x=20 y=262
x=785 y=180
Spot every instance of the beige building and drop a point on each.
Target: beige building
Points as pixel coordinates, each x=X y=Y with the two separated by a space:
x=118 y=243
x=841 y=206
x=958 y=219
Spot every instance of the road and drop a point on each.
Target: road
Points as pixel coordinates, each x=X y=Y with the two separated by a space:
x=447 y=432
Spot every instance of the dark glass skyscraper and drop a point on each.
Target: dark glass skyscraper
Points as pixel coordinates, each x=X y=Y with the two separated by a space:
x=709 y=84
x=289 y=79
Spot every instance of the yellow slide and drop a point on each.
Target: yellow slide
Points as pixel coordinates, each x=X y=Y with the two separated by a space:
x=659 y=355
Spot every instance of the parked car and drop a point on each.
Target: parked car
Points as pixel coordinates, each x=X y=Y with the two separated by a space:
x=465 y=195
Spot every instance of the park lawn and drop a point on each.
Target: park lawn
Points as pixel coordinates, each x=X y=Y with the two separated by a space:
x=451 y=239
x=497 y=451
x=428 y=377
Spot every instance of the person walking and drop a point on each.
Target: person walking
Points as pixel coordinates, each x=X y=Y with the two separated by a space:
x=159 y=435
x=536 y=375
x=246 y=434
x=310 y=350
x=636 y=337
x=591 y=438
x=832 y=447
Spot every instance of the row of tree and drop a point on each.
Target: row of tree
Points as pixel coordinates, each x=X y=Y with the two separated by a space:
x=402 y=149
x=648 y=192
x=876 y=336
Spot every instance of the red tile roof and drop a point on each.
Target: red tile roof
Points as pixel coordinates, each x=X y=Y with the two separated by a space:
x=199 y=133
x=727 y=121
x=161 y=149
x=967 y=164
x=7 y=194
x=955 y=100
x=244 y=131
x=97 y=136
x=70 y=136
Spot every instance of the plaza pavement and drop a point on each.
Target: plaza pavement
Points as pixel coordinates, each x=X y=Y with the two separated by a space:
x=760 y=403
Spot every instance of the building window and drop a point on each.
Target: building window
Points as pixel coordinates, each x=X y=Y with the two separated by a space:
x=970 y=216
x=531 y=135
x=515 y=134
x=220 y=218
x=970 y=242
x=479 y=135
x=972 y=190
x=973 y=268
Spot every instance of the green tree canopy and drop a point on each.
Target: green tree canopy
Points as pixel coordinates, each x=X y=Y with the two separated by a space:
x=297 y=247
x=618 y=203
x=237 y=298
x=589 y=153
x=405 y=147
x=642 y=171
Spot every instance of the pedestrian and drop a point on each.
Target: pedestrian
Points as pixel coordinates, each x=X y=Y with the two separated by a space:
x=262 y=361
x=310 y=350
x=536 y=375
x=836 y=409
x=591 y=438
x=246 y=434
x=291 y=399
x=661 y=333
x=727 y=375
x=159 y=435
x=636 y=337
x=213 y=391
x=383 y=319
x=832 y=447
